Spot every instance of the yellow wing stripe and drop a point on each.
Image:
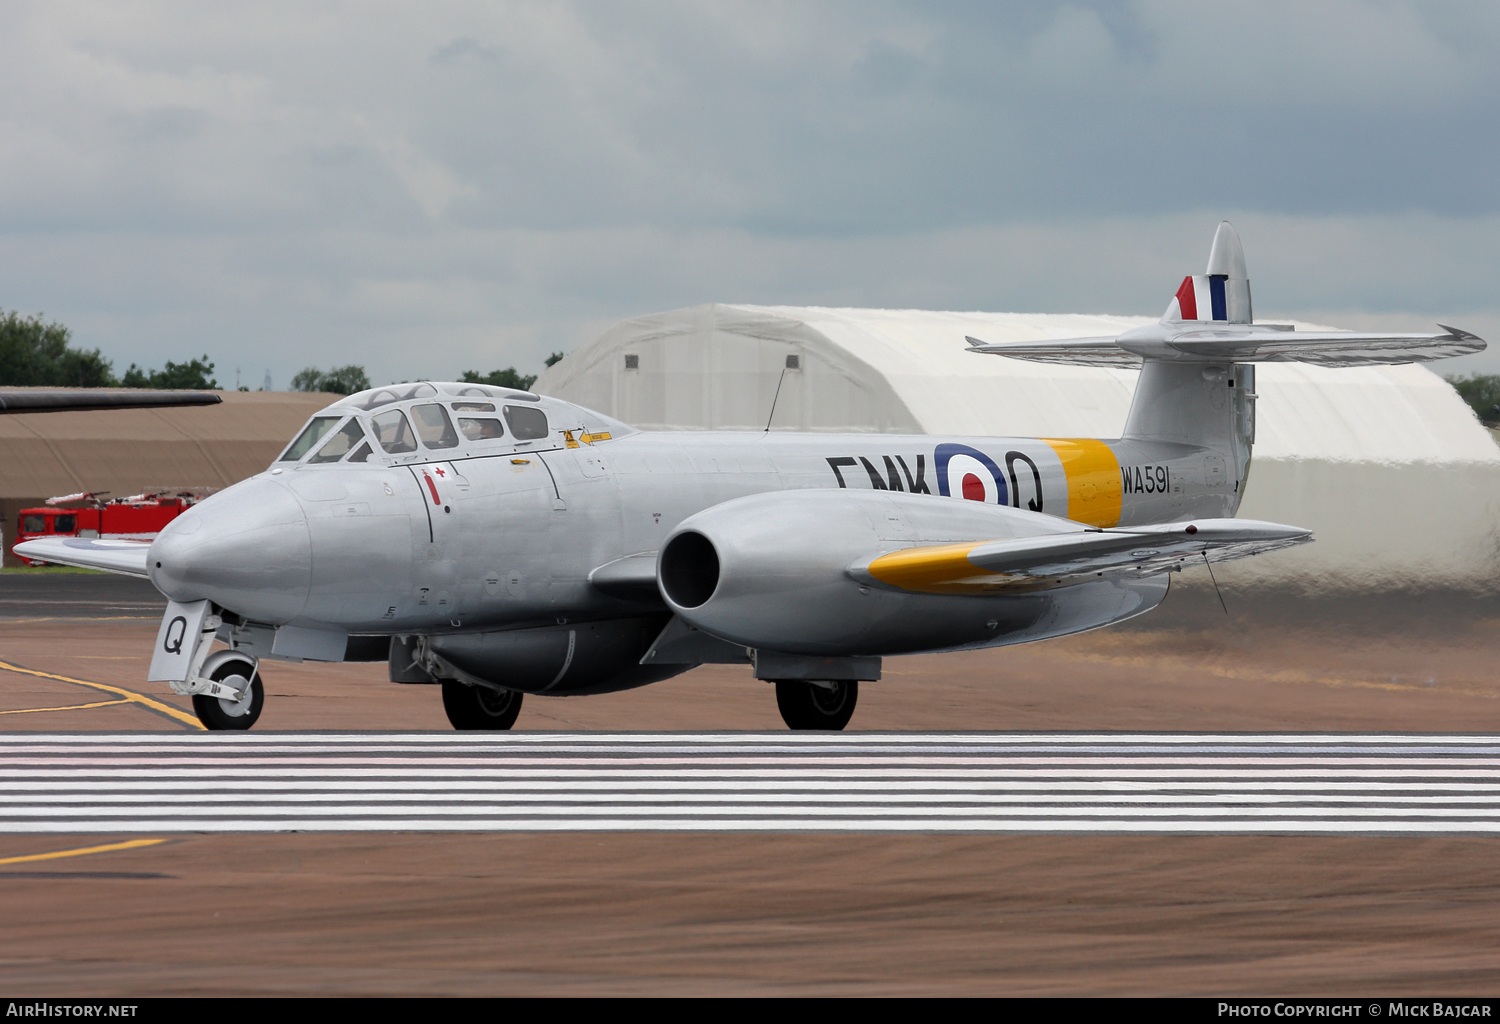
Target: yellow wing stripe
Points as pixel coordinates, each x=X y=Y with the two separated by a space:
x=938 y=569
x=1093 y=472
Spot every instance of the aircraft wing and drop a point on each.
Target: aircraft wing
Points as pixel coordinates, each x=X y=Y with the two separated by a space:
x=122 y=556
x=85 y=399
x=632 y=578
x=1053 y=559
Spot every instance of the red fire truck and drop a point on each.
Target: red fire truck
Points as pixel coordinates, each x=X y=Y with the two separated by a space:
x=138 y=517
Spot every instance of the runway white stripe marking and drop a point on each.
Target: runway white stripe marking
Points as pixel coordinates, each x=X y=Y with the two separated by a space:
x=643 y=794
x=651 y=771
x=1031 y=783
x=239 y=787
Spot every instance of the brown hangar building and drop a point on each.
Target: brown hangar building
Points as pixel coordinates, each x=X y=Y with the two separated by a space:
x=130 y=451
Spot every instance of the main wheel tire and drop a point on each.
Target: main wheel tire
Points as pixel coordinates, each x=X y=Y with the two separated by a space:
x=218 y=714
x=479 y=707
x=804 y=705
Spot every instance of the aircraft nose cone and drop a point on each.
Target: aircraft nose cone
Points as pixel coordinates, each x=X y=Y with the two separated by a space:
x=245 y=549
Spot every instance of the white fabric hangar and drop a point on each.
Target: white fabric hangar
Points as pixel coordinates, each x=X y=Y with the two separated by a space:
x=1387 y=464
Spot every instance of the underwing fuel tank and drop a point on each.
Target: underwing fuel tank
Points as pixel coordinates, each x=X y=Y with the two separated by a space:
x=777 y=572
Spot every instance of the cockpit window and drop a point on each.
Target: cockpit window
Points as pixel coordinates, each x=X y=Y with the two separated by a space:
x=483 y=391
x=394 y=433
x=485 y=428
x=473 y=406
x=312 y=435
x=349 y=435
x=526 y=424
x=377 y=397
x=362 y=454
x=434 y=427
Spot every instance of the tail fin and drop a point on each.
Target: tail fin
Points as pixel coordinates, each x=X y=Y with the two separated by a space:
x=1195 y=387
x=1222 y=293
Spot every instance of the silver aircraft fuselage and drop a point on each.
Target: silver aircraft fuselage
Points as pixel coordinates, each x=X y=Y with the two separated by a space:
x=465 y=535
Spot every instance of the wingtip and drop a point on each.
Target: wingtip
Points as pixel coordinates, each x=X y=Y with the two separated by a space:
x=1460 y=334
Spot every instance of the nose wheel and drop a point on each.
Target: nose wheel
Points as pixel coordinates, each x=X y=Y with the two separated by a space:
x=816 y=705
x=479 y=707
x=220 y=713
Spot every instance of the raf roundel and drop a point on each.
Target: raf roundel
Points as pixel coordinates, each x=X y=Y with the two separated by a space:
x=965 y=472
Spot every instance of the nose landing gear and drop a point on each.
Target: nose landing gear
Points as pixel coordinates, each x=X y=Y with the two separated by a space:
x=227 y=713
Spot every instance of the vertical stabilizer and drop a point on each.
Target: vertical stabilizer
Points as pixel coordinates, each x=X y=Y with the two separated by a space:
x=1197 y=382
x=1222 y=293
x=1203 y=403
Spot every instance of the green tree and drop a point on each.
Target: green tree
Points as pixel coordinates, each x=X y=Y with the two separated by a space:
x=1482 y=392
x=341 y=380
x=506 y=378
x=194 y=375
x=37 y=354
x=554 y=359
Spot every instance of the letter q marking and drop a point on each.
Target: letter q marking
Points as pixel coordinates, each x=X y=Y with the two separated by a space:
x=180 y=624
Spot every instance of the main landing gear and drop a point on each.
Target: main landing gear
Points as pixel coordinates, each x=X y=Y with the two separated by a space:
x=816 y=704
x=479 y=707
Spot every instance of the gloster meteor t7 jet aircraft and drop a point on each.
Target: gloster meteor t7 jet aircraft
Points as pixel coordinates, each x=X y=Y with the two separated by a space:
x=500 y=543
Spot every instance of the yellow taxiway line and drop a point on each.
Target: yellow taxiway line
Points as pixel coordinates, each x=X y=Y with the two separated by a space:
x=128 y=696
x=70 y=707
x=130 y=844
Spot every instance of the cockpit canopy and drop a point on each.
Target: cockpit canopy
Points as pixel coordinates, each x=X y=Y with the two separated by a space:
x=403 y=422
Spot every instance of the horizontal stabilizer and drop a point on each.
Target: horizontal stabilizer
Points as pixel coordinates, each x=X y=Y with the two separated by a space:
x=1070 y=352
x=1247 y=343
x=1209 y=320
x=1328 y=348
x=122 y=556
x=1029 y=562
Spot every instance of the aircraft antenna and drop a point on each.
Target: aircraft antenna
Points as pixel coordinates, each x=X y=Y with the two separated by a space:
x=774 y=399
x=1215 y=583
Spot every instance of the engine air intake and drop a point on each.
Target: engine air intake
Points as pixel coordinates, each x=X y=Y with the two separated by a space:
x=689 y=569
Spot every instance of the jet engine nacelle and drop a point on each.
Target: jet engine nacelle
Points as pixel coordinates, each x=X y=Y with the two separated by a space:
x=773 y=572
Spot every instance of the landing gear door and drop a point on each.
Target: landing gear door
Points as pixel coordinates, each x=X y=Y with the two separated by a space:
x=177 y=642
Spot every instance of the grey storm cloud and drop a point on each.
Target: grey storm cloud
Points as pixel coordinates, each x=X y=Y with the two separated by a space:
x=428 y=187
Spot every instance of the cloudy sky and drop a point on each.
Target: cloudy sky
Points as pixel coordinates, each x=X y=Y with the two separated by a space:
x=427 y=188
